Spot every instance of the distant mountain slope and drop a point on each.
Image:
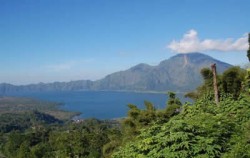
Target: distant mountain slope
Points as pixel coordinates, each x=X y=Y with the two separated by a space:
x=55 y=86
x=179 y=73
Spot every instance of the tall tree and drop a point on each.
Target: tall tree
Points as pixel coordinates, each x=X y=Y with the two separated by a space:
x=248 y=52
x=232 y=80
x=205 y=88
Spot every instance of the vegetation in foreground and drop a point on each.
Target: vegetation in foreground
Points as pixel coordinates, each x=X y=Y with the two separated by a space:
x=201 y=130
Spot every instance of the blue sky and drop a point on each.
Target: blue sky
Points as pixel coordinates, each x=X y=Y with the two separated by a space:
x=63 y=40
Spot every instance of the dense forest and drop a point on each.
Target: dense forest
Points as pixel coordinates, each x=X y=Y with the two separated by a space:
x=203 y=129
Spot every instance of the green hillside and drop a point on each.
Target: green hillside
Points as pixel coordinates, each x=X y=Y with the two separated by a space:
x=17 y=105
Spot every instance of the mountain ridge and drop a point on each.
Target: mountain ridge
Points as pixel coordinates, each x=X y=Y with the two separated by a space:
x=179 y=73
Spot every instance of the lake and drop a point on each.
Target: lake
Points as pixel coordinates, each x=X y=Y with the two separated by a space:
x=98 y=104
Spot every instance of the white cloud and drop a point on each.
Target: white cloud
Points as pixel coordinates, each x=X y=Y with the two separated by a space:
x=191 y=43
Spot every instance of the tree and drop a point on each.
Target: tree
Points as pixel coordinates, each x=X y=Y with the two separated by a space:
x=138 y=119
x=205 y=88
x=232 y=80
x=24 y=151
x=173 y=100
x=246 y=85
x=41 y=150
x=248 y=52
x=11 y=147
x=173 y=105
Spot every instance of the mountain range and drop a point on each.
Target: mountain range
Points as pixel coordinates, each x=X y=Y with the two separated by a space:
x=180 y=73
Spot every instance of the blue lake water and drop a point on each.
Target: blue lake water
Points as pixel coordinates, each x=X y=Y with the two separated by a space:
x=99 y=104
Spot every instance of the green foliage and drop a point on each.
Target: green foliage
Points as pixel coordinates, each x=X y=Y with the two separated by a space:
x=246 y=84
x=23 y=121
x=14 y=105
x=11 y=147
x=172 y=100
x=115 y=140
x=24 y=150
x=200 y=130
x=173 y=105
x=248 y=54
x=139 y=119
x=232 y=80
x=248 y=51
x=206 y=87
x=206 y=74
x=40 y=150
x=84 y=139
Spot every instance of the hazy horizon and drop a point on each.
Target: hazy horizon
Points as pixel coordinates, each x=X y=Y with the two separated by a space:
x=101 y=77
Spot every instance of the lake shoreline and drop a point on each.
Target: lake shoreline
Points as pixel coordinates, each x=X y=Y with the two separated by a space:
x=103 y=105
